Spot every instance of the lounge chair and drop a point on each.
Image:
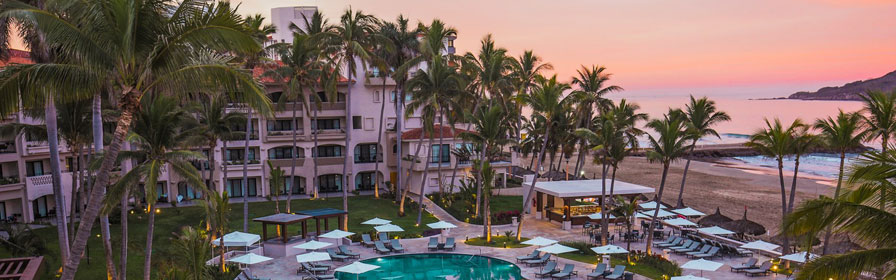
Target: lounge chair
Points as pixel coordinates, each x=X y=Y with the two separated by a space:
x=702 y=250
x=668 y=241
x=714 y=252
x=247 y=275
x=687 y=243
x=532 y=256
x=433 y=244
x=311 y=269
x=677 y=242
x=618 y=272
x=366 y=241
x=741 y=252
x=598 y=271
x=449 y=244
x=691 y=248
x=383 y=236
x=380 y=247
x=336 y=256
x=548 y=269
x=762 y=270
x=567 y=272
x=345 y=251
x=396 y=246
x=539 y=261
x=751 y=263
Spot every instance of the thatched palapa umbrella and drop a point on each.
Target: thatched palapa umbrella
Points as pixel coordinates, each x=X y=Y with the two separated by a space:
x=716 y=219
x=745 y=226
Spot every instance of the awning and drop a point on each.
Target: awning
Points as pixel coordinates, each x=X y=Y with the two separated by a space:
x=588 y=188
x=237 y=239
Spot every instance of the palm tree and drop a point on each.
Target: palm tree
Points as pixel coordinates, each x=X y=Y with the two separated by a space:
x=669 y=145
x=842 y=134
x=625 y=117
x=100 y=44
x=701 y=117
x=277 y=183
x=405 y=44
x=214 y=123
x=600 y=139
x=803 y=141
x=626 y=210
x=489 y=137
x=880 y=120
x=524 y=69
x=776 y=141
x=217 y=214
x=592 y=89
x=157 y=135
x=548 y=102
x=193 y=248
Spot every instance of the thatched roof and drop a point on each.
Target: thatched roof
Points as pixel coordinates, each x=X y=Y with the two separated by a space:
x=521 y=171
x=745 y=226
x=715 y=219
x=841 y=243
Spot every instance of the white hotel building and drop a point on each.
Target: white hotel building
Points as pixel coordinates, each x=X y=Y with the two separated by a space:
x=26 y=191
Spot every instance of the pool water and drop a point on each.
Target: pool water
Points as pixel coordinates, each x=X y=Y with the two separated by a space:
x=437 y=266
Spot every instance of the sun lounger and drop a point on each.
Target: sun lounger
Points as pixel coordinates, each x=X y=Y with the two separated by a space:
x=532 y=256
x=449 y=244
x=598 y=271
x=380 y=248
x=313 y=270
x=567 y=272
x=433 y=244
x=548 y=269
x=382 y=236
x=702 y=250
x=618 y=272
x=714 y=252
x=366 y=241
x=751 y=263
x=687 y=243
x=669 y=241
x=336 y=256
x=762 y=270
x=691 y=248
x=539 y=261
x=345 y=251
x=396 y=246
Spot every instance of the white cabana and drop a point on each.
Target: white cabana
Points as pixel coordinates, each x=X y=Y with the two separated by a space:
x=689 y=212
x=680 y=222
x=799 y=257
x=376 y=222
x=312 y=257
x=688 y=277
x=388 y=228
x=715 y=230
x=250 y=258
x=588 y=188
x=237 y=239
x=760 y=245
x=556 y=249
x=539 y=241
x=609 y=249
x=336 y=234
x=313 y=245
x=598 y=216
x=556 y=200
x=650 y=205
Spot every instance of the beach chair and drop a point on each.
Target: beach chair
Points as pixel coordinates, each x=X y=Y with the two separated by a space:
x=751 y=263
x=598 y=271
x=396 y=246
x=669 y=240
x=618 y=272
x=345 y=251
x=336 y=256
x=741 y=251
x=714 y=252
x=567 y=272
x=764 y=269
x=676 y=241
x=366 y=241
x=702 y=250
x=691 y=248
x=539 y=261
x=311 y=269
x=449 y=244
x=687 y=243
x=380 y=248
x=383 y=236
x=433 y=244
x=548 y=269
x=532 y=256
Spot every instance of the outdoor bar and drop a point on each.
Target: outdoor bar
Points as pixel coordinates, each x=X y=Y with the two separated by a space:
x=570 y=202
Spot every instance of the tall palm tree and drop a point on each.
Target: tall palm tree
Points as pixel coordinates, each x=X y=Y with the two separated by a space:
x=100 y=43
x=217 y=214
x=277 y=182
x=193 y=248
x=524 y=69
x=776 y=141
x=490 y=136
x=625 y=117
x=157 y=135
x=626 y=210
x=592 y=89
x=842 y=134
x=880 y=120
x=701 y=115
x=548 y=102
x=803 y=141
x=669 y=145
x=604 y=135
x=213 y=123
x=405 y=44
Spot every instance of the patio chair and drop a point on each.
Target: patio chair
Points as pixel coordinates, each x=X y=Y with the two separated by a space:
x=311 y=269
x=713 y=253
x=366 y=241
x=740 y=251
x=539 y=261
x=687 y=243
x=567 y=272
x=449 y=244
x=532 y=256
x=433 y=244
x=548 y=269
x=618 y=272
x=396 y=246
x=598 y=271
x=345 y=251
x=692 y=248
x=764 y=269
x=383 y=236
x=380 y=248
x=702 y=250
x=336 y=256
x=668 y=241
x=750 y=264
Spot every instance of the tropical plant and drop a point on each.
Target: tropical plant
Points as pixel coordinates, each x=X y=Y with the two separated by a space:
x=192 y=248
x=21 y=241
x=626 y=209
x=592 y=89
x=669 y=145
x=217 y=216
x=277 y=183
x=701 y=115
x=625 y=117
x=405 y=44
x=489 y=137
x=880 y=120
x=524 y=69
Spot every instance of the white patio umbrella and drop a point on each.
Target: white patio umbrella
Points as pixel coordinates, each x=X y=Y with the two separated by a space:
x=376 y=222
x=312 y=245
x=799 y=257
x=312 y=257
x=609 y=249
x=690 y=212
x=702 y=265
x=557 y=249
x=715 y=230
x=336 y=234
x=357 y=268
x=680 y=222
x=661 y=214
x=441 y=225
x=688 y=277
x=598 y=216
x=650 y=205
x=760 y=245
x=388 y=228
x=539 y=241
x=237 y=239
x=250 y=258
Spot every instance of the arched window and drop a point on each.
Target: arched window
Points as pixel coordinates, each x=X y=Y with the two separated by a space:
x=329 y=183
x=365 y=181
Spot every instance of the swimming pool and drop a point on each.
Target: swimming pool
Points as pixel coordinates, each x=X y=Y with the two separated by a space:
x=437 y=266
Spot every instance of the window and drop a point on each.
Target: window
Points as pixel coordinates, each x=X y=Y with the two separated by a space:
x=356 y=122
x=279 y=125
x=329 y=151
x=376 y=97
x=340 y=97
x=296 y=181
x=40 y=207
x=280 y=153
x=72 y=164
x=235 y=187
x=366 y=153
x=187 y=192
x=201 y=164
x=394 y=148
x=241 y=127
x=236 y=154
x=3 y=210
x=330 y=183
x=440 y=154
x=465 y=147
x=393 y=94
x=324 y=124
x=161 y=192
x=34 y=168
x=275 y=96
x=365 y=181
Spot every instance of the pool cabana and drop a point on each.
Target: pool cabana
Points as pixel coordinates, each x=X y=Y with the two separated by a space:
x=570 y=202
x=325 y=214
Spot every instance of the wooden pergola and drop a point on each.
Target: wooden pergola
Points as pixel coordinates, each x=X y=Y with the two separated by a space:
x=282 y=220
x=325 y=214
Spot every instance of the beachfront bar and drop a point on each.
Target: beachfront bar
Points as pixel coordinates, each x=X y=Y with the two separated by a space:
x=570 y=202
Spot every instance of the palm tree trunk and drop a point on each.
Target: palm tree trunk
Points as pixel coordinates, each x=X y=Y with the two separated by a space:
x=827 y=233
x=59 y=197
x=604 y=223
x=439 y=167
x=77 y=187
x=531 y=192
x=454 y=134
x=147 y=256
x=245 y=184
x=613 y=182
x=479 y=193
x=407 y=188
x=105 y=232
x=314 y=186
x=399 y=119
x=295 y=155
x=884 y=142
x=379 y=145
x=532 y=162
x=423 y=183
x=656 y=212
x=123 y=256
x=786 y=246
x=346 y=171
x=684 y=175
x=796 y=170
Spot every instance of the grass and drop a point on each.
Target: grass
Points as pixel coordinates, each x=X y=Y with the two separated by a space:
x=498 y=242
x=462 y=210
x=170 y=220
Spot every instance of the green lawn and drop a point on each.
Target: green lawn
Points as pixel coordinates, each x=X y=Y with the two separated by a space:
x=462 y=210
x=171 y=219
x=498 y=242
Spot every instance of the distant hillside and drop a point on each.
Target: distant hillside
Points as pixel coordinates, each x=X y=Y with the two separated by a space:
x=850 y=91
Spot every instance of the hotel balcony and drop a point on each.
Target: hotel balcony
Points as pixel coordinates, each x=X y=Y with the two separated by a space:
x=284 y=135
x=331 y=160
x=376 y=79
x=286 y=163
x=329 y=134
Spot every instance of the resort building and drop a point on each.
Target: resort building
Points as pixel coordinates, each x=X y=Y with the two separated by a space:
x=26 y=181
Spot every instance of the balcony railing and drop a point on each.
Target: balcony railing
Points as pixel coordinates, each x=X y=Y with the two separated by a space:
x=240 y=162
x=290 y=132
x=368 y=158
x=252 y=136
x=7 y=147
x=9 y=180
